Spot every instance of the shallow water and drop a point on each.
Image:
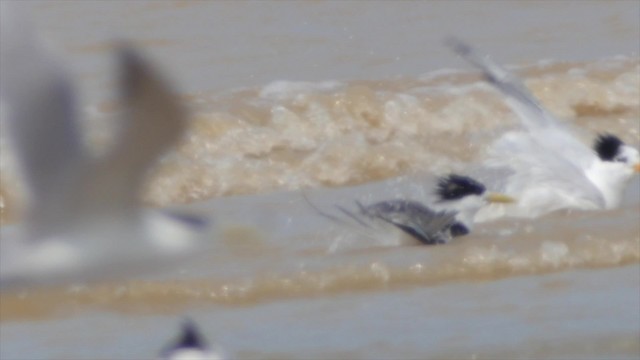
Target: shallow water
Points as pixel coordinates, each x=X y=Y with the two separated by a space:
x=315 y=99
x=551 y=316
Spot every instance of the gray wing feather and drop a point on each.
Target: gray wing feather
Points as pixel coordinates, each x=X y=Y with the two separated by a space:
x=426 y=225
x=532 y=113
x=541 y=124
x=153 y=122
x=41 y=113
x=415 y=219
x=353 y=216
x=40 y=101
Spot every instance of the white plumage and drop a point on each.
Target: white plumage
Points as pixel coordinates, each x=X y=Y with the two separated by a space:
x=546 y=167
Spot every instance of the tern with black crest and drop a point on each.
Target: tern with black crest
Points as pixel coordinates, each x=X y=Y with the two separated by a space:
x=457 y=199
x=545 y=165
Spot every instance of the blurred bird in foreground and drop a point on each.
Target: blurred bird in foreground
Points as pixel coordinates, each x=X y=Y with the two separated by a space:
x=83 y=219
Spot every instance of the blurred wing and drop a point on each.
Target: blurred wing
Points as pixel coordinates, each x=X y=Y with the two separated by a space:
x=40 y=102
x=536 y=119
x=153 y=121
x=41 y=114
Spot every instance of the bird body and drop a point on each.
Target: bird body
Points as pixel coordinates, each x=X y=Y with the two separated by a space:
x=548 y=167
x=83 y=219
x=457 y=199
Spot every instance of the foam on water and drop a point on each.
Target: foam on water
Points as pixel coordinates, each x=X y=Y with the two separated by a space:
x=291 y=135
x=287 y=269
x=364 y=131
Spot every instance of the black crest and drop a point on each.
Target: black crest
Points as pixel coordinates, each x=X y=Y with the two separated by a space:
x=454 y=187
x=607 y=146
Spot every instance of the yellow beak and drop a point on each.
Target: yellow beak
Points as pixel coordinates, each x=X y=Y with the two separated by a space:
x=636 y=167
x=499 y=198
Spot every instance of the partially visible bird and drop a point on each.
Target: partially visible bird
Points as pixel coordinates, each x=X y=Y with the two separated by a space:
x=546 y=167
x=84 y=220
x=190 y=345
x=457 y=199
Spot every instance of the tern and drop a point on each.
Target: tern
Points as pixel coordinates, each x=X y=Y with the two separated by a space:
x=548 y=168
x=457 y=199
